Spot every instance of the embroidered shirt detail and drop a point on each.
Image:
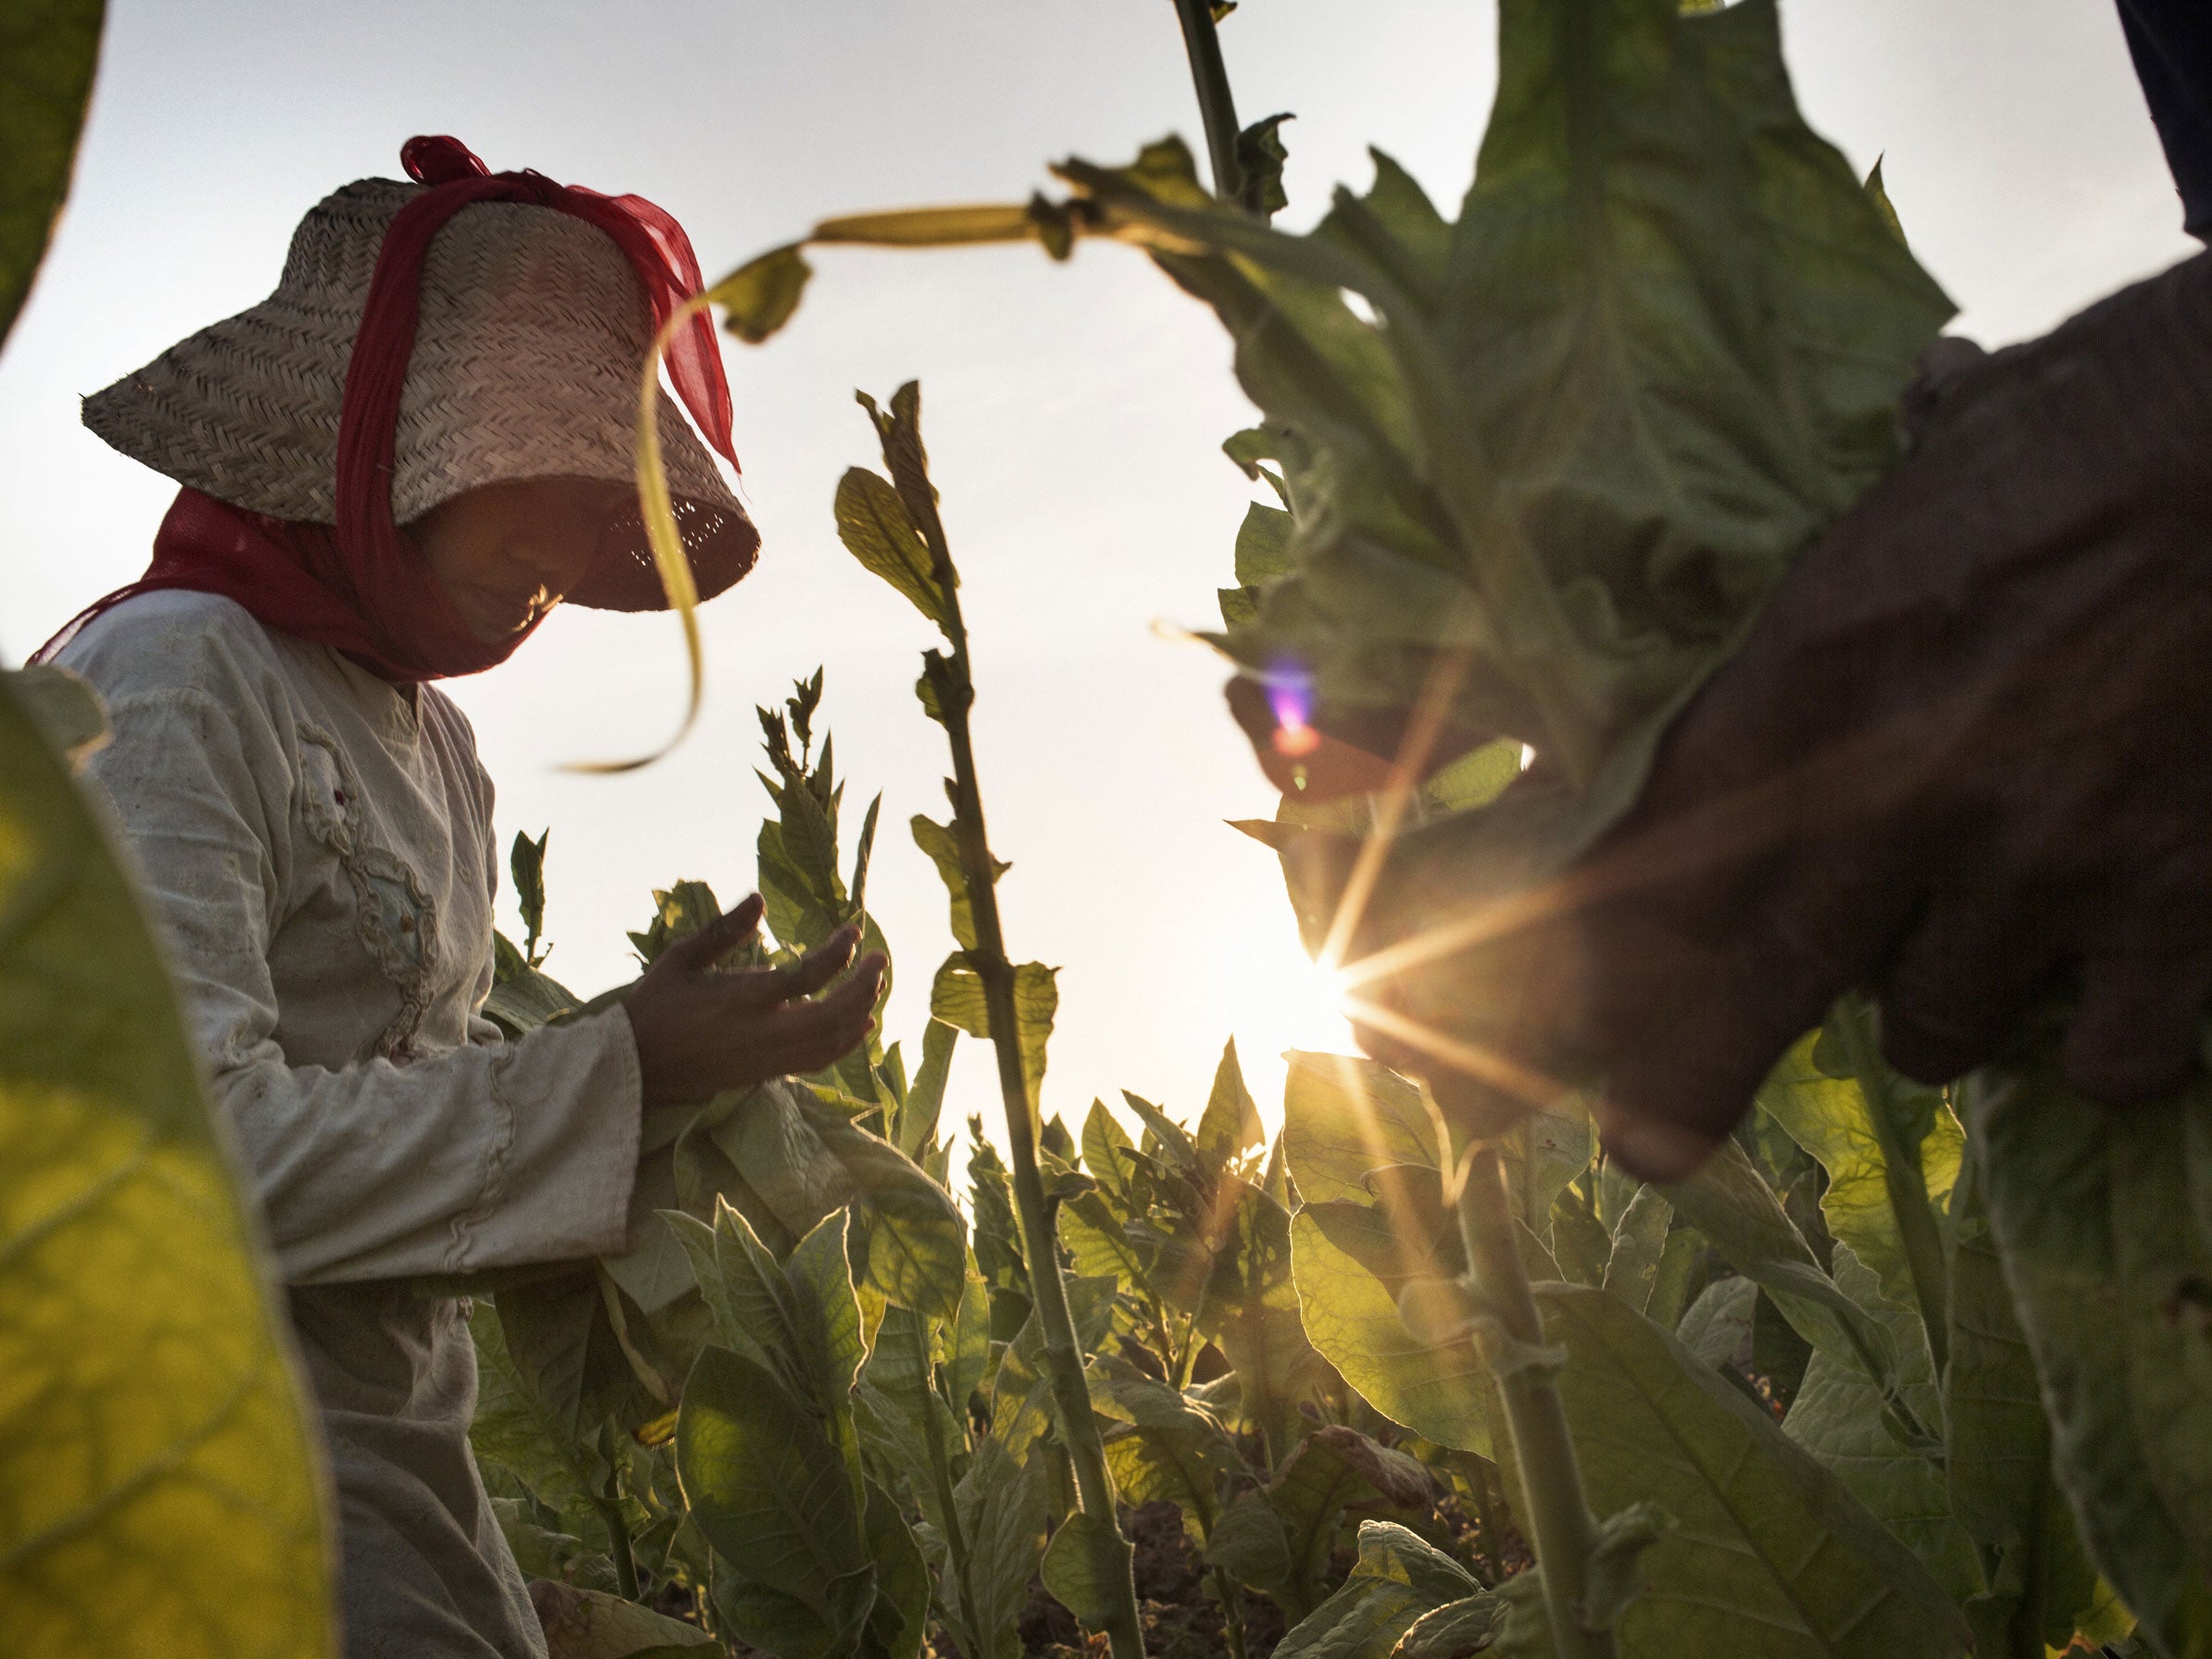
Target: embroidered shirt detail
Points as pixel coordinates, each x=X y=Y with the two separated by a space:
x=395 y=916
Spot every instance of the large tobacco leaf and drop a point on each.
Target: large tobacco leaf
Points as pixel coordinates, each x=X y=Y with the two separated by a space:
x=163 y=1490
x=2039 y=1585
x=1567 y=442
x=2102 y=1221
x=1769 y=1555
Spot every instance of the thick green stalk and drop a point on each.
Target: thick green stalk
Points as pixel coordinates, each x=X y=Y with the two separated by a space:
x=1209 y=76
x=1907 y=1184
x=1063 y=1358
x=1560 y=1527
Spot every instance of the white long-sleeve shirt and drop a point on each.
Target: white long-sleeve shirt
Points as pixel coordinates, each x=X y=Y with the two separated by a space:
x=318 y=846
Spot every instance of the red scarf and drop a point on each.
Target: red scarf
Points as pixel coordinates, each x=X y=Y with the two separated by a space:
x=362 y=587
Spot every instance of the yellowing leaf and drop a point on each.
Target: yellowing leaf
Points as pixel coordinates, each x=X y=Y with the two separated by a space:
x=163 y=1493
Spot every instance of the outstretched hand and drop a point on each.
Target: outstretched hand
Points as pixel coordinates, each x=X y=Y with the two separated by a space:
x=700 y=1030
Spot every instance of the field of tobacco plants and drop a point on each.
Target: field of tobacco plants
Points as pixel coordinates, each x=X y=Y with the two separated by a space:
x=1901 y=1374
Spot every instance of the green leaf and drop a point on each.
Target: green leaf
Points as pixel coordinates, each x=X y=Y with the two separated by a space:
x=1542 y=1154
x=516 y=1430
x=872 y=523
x=1770 y=1554
x=677 y=913
x=1080 y=1568
x=1001 y=1508
x=2002 y=1490
x=956 y=997
x=1831 y=1118
x=70 y=714
x=1670 y=1285
x=1467 y=1625
x=1639 y=1245
x=526 y=862
x=587 y=1624
x=1332 y=1468
x=925 y=1095
x=1107 y=1147
x=1729 y=1202
x=769 y=1492
x=938 y=841
x=758 y=299
x=910 y=1243
x=1247 y=1542
x=1398 y=1579
x=1162 y=1447
x=2099 y=1219
x=1263 y=545
x=568 y=1356
x=48 y=49
x=1718 y=1327
x=1837 y=1415
x=1260 y=156
x=1231 y=1123
x=1879 y=197
x=749 y=1296
x=1343 y=1118
x=1350 y=1263
x=899 y=1621
x=522 y=999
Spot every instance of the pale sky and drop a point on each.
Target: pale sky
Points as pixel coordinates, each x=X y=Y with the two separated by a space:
x=1073 y=412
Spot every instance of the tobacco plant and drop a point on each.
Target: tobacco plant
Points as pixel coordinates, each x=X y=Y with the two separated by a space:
x=1536 y=467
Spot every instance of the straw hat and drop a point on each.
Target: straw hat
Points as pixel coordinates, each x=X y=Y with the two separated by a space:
x=532 y=337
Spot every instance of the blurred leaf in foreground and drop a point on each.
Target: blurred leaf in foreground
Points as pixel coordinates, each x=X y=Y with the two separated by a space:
x=164 y=1496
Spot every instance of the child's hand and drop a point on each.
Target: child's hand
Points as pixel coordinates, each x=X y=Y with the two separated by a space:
x=699 y=1032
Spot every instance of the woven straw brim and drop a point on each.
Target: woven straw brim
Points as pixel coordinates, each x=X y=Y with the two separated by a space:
x=531 y=339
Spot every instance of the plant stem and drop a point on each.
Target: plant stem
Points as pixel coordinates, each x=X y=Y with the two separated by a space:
x=1559 y=1526
x=1906 y=1182
x=1210 y=77
x=618 y=1546
x=1233 y=1615
x=1063 y=1358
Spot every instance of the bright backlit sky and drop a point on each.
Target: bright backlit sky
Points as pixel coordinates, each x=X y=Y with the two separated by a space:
x=1072 y=412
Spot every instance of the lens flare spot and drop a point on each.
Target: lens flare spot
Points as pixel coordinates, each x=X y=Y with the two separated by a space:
x=1290 y=694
